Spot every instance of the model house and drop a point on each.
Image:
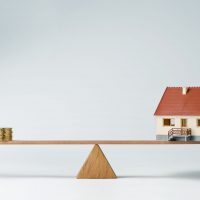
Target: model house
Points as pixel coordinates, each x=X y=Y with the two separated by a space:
x=178 y=114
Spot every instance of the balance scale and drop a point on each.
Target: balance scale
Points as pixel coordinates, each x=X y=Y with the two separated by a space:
x=96 y=165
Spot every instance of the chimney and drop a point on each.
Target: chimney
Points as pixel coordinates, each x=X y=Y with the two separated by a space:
x=184 y=90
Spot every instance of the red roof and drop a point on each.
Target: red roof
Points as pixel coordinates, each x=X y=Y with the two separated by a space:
x=173 y=102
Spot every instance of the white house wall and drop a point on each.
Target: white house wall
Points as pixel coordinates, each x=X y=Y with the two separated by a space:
x=191 y=123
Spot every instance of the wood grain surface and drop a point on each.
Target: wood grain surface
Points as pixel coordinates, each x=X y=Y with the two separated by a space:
x=125 y=142
x=96 y=166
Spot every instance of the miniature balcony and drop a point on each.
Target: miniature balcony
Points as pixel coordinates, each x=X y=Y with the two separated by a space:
x=178 y=133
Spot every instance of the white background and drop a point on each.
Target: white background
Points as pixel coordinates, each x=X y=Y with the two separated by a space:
x=95 y=70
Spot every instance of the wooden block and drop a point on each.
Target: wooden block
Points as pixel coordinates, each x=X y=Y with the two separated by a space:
x=96 y=166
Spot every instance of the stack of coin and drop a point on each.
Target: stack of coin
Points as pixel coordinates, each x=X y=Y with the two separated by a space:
x=7 y=134
x=1 y=134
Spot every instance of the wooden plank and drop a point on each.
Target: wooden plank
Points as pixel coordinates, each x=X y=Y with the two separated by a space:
x=96 y=166
x=123 y=142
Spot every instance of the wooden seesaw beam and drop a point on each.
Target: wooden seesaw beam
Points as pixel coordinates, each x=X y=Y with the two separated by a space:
x=96 y=165
x=87 y=142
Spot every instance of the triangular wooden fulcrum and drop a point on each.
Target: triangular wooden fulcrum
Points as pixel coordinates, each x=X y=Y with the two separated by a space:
x=96 y=166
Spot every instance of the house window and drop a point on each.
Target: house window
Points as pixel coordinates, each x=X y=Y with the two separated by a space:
x=168 y=122
x=183 y=122
x=198 y=122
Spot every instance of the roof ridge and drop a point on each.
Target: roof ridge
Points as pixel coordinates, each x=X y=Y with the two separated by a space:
x=183 y=86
